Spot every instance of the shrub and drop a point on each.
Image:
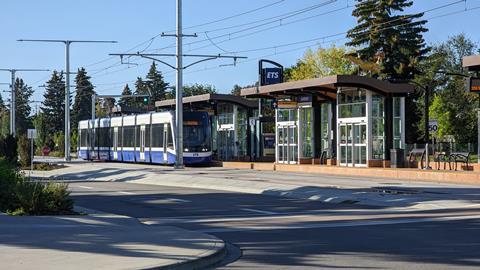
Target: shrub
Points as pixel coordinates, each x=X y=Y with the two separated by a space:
x=8 y=149
x=24 y=151
x=36 y=198
x=59 y=140
x=8 y=177
x=21 y=196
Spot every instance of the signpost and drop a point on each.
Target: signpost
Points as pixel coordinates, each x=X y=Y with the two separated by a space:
x=433 y=128
x=32 y=135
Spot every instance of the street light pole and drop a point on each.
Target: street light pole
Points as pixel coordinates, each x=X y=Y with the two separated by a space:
x=67 y=82
x=427 y=126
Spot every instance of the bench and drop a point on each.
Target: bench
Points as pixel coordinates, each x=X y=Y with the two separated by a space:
x=463 y=157
x=414 y=153
x=442 y=157
x=323 y=158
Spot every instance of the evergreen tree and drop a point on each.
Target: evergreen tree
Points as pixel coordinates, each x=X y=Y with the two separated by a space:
x=53 y=105
x=388 y=44
x=236 y=90
x=82 y=106
x=140 y=89
x=23 y=93
x=41 y=125
x=2 y=103
x=109 y=104
x=198 y=89
x=126 y=102
x=154 y=85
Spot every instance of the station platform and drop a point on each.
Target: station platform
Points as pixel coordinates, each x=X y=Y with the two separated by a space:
x=409 y=174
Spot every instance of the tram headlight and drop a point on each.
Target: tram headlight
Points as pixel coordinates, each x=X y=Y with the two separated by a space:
x=204 y=150
x=186 y=150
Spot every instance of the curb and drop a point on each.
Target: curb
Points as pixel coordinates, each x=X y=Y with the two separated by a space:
x=199 y=263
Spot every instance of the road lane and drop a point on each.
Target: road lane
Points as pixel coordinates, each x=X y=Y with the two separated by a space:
x=287 y=233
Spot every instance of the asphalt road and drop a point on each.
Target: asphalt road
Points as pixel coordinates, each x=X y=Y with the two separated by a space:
x=283 y=233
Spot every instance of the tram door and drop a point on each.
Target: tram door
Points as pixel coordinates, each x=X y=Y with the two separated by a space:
x=287 y=144
x=165 y=143
x=226 y=143
x=353 y=144
x=142 y=143
x=115 y=143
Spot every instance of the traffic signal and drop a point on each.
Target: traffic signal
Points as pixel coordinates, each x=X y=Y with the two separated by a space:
x=145 y=100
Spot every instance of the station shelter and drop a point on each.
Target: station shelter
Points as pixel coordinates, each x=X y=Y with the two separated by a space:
x=343 y=120
x=232 y=133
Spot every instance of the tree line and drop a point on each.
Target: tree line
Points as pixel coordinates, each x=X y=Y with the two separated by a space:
x=49 y=119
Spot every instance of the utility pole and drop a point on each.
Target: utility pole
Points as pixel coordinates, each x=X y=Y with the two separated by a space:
x=179 y=77
x=67 y=82
x=179 y=92
x=12 y=95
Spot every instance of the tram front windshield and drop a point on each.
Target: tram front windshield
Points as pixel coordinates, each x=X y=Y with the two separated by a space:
x=195 y=136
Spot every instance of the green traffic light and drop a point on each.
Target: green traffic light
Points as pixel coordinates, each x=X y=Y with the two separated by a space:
x=145 y=100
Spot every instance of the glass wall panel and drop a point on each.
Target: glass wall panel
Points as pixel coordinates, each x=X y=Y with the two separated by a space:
x=378 y=126
x=225 y=114
x=397 y=123
x=306 y=130
x=241 y=130
x=286 y=115
x=325 y=127
x=352 y=102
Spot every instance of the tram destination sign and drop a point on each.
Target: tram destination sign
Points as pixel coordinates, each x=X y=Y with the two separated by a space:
x=473 y=85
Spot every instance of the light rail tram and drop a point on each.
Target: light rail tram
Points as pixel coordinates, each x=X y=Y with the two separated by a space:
x=146 y=138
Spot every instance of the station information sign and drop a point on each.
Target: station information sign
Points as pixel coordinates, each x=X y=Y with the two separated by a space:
x=473 y=85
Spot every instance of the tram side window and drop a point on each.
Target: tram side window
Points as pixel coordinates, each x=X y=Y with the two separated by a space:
x=157 y=135
x=147 y=135
x=83 y=137
x=104 y=137
x=128 y=136
x=119 y=142
x=137 y=136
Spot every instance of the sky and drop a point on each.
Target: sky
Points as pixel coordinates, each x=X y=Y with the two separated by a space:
x=279 y=30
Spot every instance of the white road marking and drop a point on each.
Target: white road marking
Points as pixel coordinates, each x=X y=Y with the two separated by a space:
x=340 y=224
x=126 y=192
x=259 y=211
x=177 y=200
x=85 y=187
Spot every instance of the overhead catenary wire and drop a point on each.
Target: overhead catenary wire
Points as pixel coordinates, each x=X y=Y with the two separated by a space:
x=279 y=18
x=326 y=37
x=150 y=40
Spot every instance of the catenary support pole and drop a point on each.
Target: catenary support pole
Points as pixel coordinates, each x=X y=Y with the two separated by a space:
x=13 y=105
x=67 y=101
x=67 y=83
x=179 y=90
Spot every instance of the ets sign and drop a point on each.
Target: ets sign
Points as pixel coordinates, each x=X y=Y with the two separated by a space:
x=272 y=76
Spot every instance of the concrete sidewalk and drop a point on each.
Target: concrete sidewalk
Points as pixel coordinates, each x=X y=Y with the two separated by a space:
x=333 y=189
x=101 y=241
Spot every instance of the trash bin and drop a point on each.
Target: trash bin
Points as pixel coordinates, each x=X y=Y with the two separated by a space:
x=397 y=158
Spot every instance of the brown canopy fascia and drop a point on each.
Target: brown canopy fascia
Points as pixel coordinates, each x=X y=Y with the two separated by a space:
x=328 y=86
x=209 y=98
x=472 y=62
